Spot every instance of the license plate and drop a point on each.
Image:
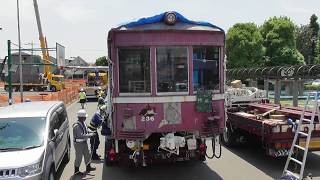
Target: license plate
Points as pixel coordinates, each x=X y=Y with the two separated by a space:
x=314 y=143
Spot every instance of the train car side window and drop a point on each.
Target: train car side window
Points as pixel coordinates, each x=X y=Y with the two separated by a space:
x=134 y=70
x=206 y=67
x=172 y=69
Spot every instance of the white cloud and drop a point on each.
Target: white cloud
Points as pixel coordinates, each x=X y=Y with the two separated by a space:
x=74 y=11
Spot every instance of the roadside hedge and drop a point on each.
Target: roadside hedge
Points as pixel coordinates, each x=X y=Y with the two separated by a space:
x=312 y=87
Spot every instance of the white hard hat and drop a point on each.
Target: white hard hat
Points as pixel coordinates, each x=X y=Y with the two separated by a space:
x=99 y=88
x=82 y=113
x=103 y=107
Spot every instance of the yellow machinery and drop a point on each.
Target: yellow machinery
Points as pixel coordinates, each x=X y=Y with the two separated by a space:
x=101 y=81
x=56 y=82
x=94 y=81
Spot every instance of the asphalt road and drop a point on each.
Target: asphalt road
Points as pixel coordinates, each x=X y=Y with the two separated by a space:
x=240 y=163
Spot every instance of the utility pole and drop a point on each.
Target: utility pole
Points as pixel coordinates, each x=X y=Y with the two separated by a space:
x=9 y=73
x=20 y=63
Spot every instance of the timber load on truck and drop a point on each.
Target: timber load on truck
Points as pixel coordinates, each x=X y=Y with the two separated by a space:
x=272 y=125
x=166 y=91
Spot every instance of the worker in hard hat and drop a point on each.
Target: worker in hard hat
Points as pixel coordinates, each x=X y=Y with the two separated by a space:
x=82 y=97
x=101 y=93
x=103 y=111
x=95 y=123
x=80 y=137
x=100 y=102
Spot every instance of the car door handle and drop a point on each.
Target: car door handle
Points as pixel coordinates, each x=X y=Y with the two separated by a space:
x=61 y=135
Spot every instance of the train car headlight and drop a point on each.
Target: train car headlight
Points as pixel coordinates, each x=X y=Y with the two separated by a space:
x=170 y=18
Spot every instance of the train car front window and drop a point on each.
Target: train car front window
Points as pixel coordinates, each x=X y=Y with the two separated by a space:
x=134 y=70
x=206 y=67
x=172 y=69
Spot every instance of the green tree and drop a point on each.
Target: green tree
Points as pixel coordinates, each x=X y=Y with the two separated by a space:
x=303 y=41
x=314 y=27
x=290 y=56
x=279 y=40
x=244 y=46
x=101 y=61
x=318 y=52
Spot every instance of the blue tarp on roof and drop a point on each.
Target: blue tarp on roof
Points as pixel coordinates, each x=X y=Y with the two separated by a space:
x=160 y=17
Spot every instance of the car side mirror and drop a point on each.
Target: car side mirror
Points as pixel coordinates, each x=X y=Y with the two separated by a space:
x=55 y=134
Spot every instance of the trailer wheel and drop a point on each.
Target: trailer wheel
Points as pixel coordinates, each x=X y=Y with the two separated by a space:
x=228 y=137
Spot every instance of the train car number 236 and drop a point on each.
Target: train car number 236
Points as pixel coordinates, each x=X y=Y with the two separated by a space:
x=147 y=118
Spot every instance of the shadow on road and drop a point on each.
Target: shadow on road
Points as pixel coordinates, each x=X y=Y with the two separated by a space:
x=60 y=170
x=177 y=171
x=273 y=167
x=87 y=175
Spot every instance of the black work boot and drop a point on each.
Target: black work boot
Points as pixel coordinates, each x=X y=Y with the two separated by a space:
x=95 y=157
x=77 y=172
x=89 y=168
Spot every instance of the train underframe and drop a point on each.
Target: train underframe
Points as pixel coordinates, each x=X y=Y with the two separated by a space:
x=162 y=147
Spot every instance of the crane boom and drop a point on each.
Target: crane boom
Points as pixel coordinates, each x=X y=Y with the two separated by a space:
x=43 y=42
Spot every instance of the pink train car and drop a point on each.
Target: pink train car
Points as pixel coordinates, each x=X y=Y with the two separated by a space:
x=166 y=92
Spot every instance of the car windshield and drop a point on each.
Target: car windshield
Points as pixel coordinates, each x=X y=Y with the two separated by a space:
x=21 y=133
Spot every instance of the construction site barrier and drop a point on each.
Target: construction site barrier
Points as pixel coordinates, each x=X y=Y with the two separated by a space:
x=67 y=95
x=77 y=82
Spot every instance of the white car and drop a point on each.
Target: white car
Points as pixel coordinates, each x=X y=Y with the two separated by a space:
x=34 y=140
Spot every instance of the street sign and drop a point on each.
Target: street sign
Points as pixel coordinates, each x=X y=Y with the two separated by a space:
x=5 y=70
x=60 y=53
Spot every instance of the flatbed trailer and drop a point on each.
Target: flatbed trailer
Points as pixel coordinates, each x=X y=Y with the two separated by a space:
x=275 y=135
x=27 y=86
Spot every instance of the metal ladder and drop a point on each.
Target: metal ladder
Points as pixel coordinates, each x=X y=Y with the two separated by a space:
x=312 y=97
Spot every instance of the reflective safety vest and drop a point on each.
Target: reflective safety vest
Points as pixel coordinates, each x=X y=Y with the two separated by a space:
x=95 y=122
x=82 y=95
x=83 y=129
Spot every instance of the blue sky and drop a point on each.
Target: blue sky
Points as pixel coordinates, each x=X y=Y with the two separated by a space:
x=82 y=25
